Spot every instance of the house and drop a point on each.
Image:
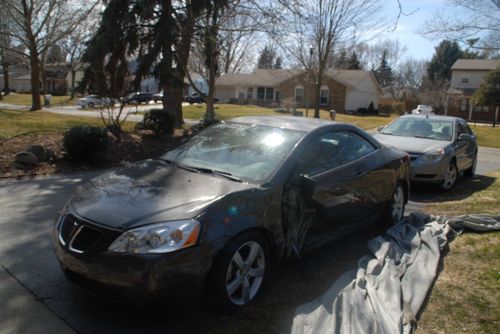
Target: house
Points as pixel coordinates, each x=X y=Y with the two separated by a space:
x=466 y=77
x=341 y=89
x=14 y=72
x=55 y=80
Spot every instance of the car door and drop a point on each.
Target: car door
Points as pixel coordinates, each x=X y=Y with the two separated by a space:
x=464 y=149
x=335 y=161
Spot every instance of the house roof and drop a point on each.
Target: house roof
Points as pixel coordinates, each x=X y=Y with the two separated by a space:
x=476 y=64
x=259 y=77
x=273 y=77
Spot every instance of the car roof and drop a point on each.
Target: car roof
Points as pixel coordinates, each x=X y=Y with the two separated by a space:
x=287 y=122
x=436 y=117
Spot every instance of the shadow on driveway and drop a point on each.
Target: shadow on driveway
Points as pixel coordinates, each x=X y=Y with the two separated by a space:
x=465 y=187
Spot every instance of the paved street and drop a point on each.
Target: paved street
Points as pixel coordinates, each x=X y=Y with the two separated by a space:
x=77 y=111
x=34 y=291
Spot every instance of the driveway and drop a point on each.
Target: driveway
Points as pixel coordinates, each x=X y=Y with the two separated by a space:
x=36 y=285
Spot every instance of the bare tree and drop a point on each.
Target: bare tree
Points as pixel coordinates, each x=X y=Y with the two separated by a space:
x=370 y=53
x=39 y=24
x=409 y=77
x=320 y=26
x=475 y=23
x=75 y=43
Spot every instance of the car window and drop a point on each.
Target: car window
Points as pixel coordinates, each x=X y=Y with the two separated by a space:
x=332 y=149
x=463 y=128
x=248 y=151
x=420 y=128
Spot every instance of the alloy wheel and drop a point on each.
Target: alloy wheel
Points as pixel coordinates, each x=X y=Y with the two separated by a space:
x=398 y=204
x=450 y=177
x=245 y=273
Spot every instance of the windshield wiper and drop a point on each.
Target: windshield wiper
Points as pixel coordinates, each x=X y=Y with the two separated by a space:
x=210 y=171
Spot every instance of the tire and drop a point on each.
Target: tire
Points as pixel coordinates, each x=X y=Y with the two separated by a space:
x=91 y=105
x=395 y=210
x=450 y=177
x=239 y=273
x=469 y=172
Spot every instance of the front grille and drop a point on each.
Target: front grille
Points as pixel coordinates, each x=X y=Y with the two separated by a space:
x=76 y=235
x=67 y=227
x=414 y=156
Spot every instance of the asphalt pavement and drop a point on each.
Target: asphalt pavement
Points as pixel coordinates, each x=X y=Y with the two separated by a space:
x=130 y=112
x=35 y=297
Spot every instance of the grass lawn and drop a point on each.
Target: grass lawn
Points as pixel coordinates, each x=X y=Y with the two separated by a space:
x=466 y=294
x=25 y=100
x=15 y=122
x=226 y=111
x=487 y=136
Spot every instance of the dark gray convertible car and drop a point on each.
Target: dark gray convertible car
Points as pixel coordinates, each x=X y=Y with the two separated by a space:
x=211 y=213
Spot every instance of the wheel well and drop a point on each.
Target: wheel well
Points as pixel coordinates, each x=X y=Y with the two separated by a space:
x=453 y=160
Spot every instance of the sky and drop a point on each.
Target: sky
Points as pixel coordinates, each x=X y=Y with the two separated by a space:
x=418 y=46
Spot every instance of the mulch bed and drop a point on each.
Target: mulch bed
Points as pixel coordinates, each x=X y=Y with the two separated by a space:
x=133 y=147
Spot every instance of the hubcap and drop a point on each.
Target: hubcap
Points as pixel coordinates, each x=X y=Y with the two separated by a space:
x=398 y=201
x=450 y=177
x=245 y=273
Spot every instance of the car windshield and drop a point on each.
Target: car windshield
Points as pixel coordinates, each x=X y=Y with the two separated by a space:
x=246 y=151
x=421 y=128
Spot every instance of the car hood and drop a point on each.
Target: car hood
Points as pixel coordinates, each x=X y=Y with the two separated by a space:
x=412 y=144
x=147 y=192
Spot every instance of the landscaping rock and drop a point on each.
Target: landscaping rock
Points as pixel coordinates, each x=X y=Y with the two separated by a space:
x=25 y=159
x=39 y=151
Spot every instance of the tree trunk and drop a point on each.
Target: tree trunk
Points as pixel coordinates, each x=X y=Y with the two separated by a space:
x=496 y=116
x=72 y=87
x=5 y=69
x=35 y=81
x=174 y=103
x=317 y=88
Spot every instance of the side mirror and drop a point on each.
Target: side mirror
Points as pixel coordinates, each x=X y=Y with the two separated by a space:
x=307 y=186
x=464 y=137
x=380 y=128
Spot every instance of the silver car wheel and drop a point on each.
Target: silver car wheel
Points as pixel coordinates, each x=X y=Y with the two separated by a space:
x=450 y=177
x=245 y=273
x=398 y=204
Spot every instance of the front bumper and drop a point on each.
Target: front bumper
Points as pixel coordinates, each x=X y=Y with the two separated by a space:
x=428 y=171
x=135 y=276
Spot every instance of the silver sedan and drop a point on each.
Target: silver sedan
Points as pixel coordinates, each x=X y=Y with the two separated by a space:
x=440 y=147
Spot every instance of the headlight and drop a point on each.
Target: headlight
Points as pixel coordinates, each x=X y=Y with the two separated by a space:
x=433 y=156
x=158 y=238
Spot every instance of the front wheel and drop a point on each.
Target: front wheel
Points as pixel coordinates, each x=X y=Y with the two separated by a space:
x=450 y=177
x=239 y=272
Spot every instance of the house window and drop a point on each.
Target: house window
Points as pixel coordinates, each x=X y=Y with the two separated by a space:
x=480 y=109
x=241 y=94
x=261 y=93
x=250 y=93
x=269 y=93
x=465 y=80
x=324 y=95
x=299 y=94
x=464 y=104
x=277 y=95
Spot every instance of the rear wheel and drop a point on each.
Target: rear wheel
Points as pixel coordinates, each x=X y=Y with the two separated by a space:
x=450 y=177
x=239 y=272
x=469 y=172
x=91 y=105
x=395 y=210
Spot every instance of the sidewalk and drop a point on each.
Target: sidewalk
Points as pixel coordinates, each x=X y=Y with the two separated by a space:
x=22 y=313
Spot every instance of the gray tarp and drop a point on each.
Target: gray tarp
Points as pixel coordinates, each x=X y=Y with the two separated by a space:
x=386 y=291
